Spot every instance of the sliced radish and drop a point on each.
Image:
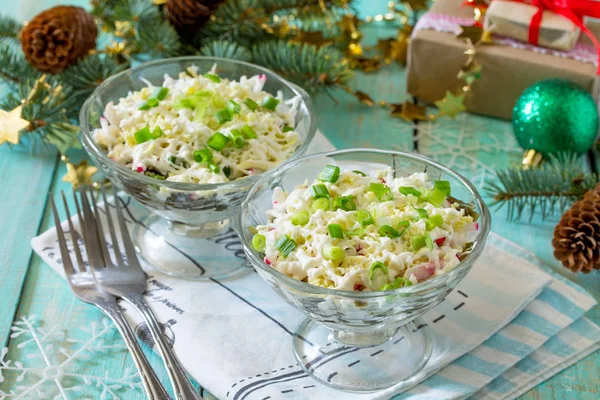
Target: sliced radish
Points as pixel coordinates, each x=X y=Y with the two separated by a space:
x=422 y=271
x=440 y=241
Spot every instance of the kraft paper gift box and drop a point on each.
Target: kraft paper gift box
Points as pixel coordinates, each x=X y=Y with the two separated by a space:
x=436 y=55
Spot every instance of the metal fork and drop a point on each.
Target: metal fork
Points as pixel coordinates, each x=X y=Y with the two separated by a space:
x=123 y=277
x=83 y=285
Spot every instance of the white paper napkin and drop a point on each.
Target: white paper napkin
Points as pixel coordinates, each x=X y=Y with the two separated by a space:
x=234 y=336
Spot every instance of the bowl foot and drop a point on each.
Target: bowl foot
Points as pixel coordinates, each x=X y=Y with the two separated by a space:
x=197 y=253
x=362 y=368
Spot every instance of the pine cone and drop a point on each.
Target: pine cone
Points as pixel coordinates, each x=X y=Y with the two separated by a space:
x=187 y=16
x=57 y=37
x=577 y=236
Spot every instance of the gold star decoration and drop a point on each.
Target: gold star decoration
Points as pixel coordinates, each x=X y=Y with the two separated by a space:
x=408 y=111
x=11 y=125
x=476 y=34
x=123 y=28
x=451 y=105
x=396 y=49
x=470 y=73
x=80 y=174
x=364 y=98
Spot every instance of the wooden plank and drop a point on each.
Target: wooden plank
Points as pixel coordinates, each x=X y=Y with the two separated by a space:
x=47 y=296
x=26 y=180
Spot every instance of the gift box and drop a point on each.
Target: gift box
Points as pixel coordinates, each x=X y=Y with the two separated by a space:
x=436 y=56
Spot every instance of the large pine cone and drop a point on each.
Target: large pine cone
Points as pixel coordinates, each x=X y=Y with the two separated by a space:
x=188 y=16
x=57 y=37
x=577 y=236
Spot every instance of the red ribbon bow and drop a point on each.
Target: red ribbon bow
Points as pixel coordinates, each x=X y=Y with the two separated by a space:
x=573 y=10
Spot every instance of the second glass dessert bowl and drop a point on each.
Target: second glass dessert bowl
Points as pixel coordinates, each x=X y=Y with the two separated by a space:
x=187 y=234
x=379 y=329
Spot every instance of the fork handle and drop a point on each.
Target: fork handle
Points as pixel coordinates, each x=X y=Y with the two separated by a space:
x=181 y=385
x=154 y=388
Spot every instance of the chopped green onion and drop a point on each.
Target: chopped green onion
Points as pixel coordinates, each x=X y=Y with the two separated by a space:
x=259 y=243
x=335 y=231
x=152 y=102
x=364 y=217
x=213 y=77
x=417 y=242
x=422 y=213
x=200 y=111
x=233 y=107
x=223 y=116
x=443 y=186
x=285 y=245
x=154 y=175
x=300 y=218
x=157 y=132
x=143 y=135
x=160 y=93
x=319 y=191
x=172 y=160
x=212 y=167
x=251 y=104
x=377 y=265
x=355 y=232
x=433 y=221
x=437 y=198
x=204 y=155
x=425 y=194
x=183 y=103
x=218 y=101
x=406 y=190
x=382 y=192
x=176 y=161
x=402 y=227
x=345 y=203
x=388 y=231
x=217 y=141
x=270 y=103
x=287 y=129
x=144 y=106
x=334 y=253
x=330 y=173
x=320 y=204
x=398 y=283
x=237 y=138
x=249 y=132
x=428 y=241
x=227 y=170
x=357 y=172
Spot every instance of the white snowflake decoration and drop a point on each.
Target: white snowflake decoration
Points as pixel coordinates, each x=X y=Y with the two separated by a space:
x=52 y=362
x=459 y=144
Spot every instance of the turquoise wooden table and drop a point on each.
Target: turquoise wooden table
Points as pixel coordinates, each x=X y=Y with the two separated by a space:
x=473 y=145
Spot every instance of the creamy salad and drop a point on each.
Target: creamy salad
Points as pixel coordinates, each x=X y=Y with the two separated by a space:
x=352 y=231
x=200 y=128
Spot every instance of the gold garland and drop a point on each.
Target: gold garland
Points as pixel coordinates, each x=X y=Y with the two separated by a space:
x=396 y=49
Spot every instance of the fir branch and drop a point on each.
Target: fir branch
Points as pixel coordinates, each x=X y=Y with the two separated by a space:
x=46 y=111
x=85 y=76
x=547 y=189
x=159 y=40
x=249 y=21
x=225 y=49
x=307 y=65
x=9 y=27
x=13 y=66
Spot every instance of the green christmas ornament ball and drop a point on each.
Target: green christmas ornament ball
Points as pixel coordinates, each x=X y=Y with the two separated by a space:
x=554 y=116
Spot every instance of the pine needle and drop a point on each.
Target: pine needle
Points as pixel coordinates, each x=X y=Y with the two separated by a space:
x=307 y=65
x=225 y=49
x=545 y=190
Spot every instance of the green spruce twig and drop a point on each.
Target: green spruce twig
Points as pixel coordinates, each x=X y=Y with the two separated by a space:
x=548 y=189
x=307 y=65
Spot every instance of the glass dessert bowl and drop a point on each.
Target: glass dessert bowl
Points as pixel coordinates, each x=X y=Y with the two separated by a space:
x=381 y=322
x=189 y=230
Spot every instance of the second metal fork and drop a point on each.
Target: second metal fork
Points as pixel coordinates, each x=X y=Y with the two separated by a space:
x=82 y=283
x=124 y=278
